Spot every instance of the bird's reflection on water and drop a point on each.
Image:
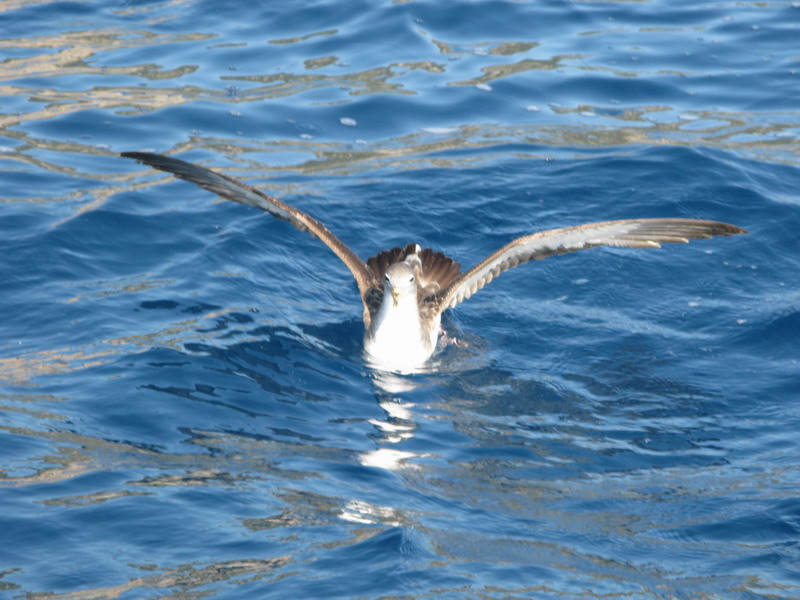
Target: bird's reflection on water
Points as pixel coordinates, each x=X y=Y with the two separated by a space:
x=393 y=391
x=398 y=425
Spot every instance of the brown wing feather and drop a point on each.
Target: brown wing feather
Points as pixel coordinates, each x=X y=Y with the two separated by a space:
x=438 y=271
x=378 y=263
x=630 y=233
x=237 y=191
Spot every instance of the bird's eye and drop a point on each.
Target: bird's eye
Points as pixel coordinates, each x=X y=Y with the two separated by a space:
x=386 y=277
x=411 y=279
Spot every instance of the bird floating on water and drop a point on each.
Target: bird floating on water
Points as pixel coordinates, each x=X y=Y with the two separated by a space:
x=404 y=291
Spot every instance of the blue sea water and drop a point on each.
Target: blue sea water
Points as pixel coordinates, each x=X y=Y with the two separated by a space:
x=185 y=411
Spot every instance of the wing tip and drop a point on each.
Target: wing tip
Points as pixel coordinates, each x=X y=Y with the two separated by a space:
x=136 y=155
x=156 y=161
x=734 y=230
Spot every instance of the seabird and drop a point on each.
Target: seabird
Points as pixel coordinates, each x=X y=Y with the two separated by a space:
x=405 y=290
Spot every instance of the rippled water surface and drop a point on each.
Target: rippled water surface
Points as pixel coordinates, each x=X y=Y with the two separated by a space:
x=185 y=409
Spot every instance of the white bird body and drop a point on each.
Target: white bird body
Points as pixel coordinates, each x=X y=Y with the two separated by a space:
x=398 y=339
x=405 y=290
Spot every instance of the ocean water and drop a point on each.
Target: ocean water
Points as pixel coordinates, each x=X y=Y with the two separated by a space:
x=184 y=408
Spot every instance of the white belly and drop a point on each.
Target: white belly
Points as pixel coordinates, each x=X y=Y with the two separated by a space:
x=396 y=341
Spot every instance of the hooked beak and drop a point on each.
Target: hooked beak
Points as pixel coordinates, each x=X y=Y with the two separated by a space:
x=396 y=296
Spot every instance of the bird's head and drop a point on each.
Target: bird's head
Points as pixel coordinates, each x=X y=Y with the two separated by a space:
x=400 y=282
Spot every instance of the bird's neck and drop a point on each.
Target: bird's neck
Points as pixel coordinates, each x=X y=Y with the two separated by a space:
x=398 y=320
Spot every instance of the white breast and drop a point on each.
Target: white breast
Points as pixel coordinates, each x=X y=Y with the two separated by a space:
x=396 y=341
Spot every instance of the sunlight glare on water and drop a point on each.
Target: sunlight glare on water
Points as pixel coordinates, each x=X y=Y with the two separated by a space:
x=186 y=410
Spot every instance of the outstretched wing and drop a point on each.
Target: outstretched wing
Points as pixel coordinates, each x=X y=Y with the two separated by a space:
x=631 y=233
x=232 y=189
